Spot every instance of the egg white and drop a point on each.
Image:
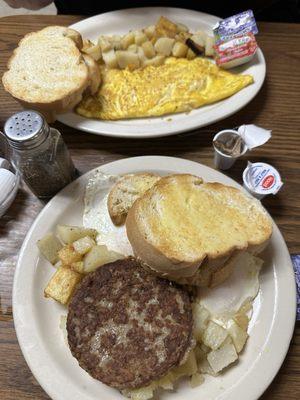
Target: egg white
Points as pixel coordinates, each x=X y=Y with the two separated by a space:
x=96 y=214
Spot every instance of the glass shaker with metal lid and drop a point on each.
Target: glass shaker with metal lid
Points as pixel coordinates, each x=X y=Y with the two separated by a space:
x=39 y=153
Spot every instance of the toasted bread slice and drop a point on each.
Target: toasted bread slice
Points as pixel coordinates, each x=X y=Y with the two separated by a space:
x=183 y=227
x=48 y=73
x=125 y=192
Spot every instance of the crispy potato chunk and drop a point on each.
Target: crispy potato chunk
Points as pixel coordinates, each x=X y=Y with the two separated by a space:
x=78 y=267
x=49 y=246
x=69 y=255
x=83 y=245
x=68 y=234
x=214 y=335
x=62 y=284
x=165 y=27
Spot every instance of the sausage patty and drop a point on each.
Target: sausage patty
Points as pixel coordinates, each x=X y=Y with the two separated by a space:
x=127 y=327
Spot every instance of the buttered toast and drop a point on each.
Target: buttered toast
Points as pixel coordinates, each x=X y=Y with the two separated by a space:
x=48 y=73
x=189 y=230
x=124 y=193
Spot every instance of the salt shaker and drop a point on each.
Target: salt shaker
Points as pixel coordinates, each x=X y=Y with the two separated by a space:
x=39 y=153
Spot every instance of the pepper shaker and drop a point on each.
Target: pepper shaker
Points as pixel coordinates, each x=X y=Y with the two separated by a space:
x=39 y=153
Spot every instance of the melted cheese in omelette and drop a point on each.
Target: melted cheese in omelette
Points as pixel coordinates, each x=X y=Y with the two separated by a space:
x=179 y=85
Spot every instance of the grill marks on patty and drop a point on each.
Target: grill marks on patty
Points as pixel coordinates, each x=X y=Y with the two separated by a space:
x=127 y=327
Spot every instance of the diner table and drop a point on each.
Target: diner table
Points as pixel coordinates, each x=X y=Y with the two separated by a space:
x=276 y=107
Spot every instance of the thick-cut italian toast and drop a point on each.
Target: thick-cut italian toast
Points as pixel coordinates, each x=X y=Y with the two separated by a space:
x=189 y=230
x=124 y=193
x=48 y=73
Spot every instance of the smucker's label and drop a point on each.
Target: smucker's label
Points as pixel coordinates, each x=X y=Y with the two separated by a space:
x=262 y=179
x=241 y=47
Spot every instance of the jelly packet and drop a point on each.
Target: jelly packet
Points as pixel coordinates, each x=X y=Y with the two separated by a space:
x=236 y=51
x=261 y=179
x=236 y=25
x=235 y=41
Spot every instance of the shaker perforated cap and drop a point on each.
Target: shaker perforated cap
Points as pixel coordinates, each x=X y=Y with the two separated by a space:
x=25 y=128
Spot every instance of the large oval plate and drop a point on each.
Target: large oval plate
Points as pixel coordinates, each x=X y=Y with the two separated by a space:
x=120 y=22
x=37 y=319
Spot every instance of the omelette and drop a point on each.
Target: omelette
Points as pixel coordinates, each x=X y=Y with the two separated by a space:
x=179 y=85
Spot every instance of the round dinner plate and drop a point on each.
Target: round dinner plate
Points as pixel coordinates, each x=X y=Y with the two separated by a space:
x=120 y=22
x=37 y=319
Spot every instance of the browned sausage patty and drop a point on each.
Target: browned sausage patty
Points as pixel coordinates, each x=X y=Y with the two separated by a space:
x=127 y=327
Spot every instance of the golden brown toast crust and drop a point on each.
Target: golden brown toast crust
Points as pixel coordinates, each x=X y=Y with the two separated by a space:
x=183 y=224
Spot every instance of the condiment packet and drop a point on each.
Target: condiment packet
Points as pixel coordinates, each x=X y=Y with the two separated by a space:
x=235 y=41
x=236 y=25
x=261 y=179
x=236 y=51
x=296 y=264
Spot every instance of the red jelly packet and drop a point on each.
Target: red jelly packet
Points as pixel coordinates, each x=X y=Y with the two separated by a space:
x=241 y=48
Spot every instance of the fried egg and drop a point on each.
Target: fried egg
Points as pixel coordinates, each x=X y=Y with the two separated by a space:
x=179 y=85
x=241 y=287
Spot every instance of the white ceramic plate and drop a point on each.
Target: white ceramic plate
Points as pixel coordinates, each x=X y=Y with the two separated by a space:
x=120 y=22
x=37 y=319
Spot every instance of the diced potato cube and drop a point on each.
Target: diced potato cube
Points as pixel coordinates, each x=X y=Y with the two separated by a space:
x=49 y=246
x=133 y=48
x=164 y=46
x=104 y=43
x=62 y=284
x=214 y=335
x=209 y=46
x=127 y=59
x=165 y=27
x=190 y=55
x=242 y=320
x=201 y=316
x=199 y=353
x=238 y=335
x=78 y=267
x=110 y=59
x=83 y=245
x=91 y=49
x=243 y=316
x=148 y=49
x=182 y=27
x=116 y=42
x=200 y=34
x=166 y=382
x=196 y=380
x=188 y=368
x=150 y=31
x=220 y=358
x=199 y=39
x=68 y=233
x=97 y=256
x=179 y=49
x=205 y=368
x=183 y=36
x=140 y=37
x=68 y=255
x=144 y=393
x=141 y=55
x=127 y=40
x=155 y=61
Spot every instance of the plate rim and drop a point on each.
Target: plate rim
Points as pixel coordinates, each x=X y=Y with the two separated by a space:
x=163 y=131
x=157 y=161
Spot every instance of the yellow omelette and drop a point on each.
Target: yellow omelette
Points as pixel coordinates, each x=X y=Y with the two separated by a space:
x=179 y=85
